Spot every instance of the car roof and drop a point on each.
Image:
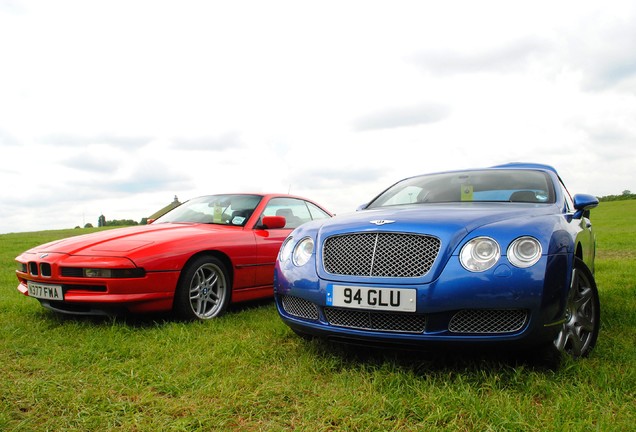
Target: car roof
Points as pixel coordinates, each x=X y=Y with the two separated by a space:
x=527 y=165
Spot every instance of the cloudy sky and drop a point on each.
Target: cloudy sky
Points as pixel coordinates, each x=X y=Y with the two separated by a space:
x=114 y=107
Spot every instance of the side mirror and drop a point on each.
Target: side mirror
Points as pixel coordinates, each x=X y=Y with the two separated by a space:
x=362 y=207
x=273 y=222
x=583 y=203
x=149 y=221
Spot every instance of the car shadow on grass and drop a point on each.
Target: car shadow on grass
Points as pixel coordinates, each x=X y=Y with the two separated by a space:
x=442 y=359
x=146 y=320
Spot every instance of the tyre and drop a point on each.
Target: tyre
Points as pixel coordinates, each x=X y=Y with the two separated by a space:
x=203 y=291
x=580 y=330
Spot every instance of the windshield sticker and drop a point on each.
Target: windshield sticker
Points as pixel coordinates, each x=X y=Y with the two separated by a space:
x=467 y=192
x=238 y=220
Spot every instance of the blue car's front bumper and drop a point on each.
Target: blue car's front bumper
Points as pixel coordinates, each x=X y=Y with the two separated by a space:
x=504 y=305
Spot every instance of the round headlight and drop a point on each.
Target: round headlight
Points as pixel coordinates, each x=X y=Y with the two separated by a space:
x=286 y=249
x=479 y=254
x=524 y=252
x=303 y=251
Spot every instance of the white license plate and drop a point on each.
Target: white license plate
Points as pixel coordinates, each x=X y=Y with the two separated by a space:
x=390 y=299
x=45 y=291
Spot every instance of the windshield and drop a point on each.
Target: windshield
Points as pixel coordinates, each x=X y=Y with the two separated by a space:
x=214 y=209
x=470 y=186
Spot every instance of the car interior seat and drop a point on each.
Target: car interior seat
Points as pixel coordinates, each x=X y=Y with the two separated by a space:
x=291 y=220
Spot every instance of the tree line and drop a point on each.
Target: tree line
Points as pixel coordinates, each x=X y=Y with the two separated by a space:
x=102 y=222
x=626 y=195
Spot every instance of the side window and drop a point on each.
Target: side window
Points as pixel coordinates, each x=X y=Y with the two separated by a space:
x=316 y=212
x=294 y=210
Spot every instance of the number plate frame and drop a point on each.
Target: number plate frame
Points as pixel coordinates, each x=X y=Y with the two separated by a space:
x=45 y=291
x=386 y=299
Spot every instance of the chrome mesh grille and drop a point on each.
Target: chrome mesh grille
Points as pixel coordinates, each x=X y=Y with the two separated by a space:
x=380 y=254
x=379 y=321
x=487 y=321
x=299 y=307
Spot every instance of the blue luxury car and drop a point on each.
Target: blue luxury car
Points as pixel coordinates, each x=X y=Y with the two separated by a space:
x=501 y=255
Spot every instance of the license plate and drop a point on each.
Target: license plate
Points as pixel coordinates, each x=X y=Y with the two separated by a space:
x=389 y=299
x=45 y=291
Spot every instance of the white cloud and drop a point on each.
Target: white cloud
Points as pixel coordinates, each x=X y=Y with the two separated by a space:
x=115 y=107
x=402 y=116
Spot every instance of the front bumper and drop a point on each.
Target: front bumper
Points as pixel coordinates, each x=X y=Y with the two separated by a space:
x=100 y=296
x=506 y=305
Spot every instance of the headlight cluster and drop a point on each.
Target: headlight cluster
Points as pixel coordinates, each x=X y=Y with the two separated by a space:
x=300 y=252
x=479 y=254
x=113 y=273
x=482 y=253
x=524 y=252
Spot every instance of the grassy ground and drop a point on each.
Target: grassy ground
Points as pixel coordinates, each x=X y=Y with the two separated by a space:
x=248 y=371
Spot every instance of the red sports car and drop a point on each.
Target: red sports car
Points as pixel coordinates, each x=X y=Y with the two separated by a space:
x=194 y=260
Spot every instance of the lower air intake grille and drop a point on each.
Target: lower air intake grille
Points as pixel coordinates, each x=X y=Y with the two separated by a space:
x=487 y=321
x=379 y=321
x=299 y=307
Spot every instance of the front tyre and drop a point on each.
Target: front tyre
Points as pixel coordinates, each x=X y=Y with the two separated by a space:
x=579 y=332
x=203 y=291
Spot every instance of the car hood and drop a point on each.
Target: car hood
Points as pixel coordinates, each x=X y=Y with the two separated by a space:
x=442 y=220
x=450 y=223
x=124 y=241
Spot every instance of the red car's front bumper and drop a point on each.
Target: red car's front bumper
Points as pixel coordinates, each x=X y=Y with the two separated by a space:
x=97 y=296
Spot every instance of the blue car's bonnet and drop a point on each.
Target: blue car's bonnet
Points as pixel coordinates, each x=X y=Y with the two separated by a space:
x=435 y=219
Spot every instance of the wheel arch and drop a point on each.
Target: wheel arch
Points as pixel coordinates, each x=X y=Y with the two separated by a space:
x=579 y=251
x=225 y=260
x=587 y=256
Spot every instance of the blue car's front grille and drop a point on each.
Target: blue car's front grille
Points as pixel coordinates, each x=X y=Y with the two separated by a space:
x=380 y=254
x=468 y=321
x=378 y=321
x=488 y=321
x=300 y=308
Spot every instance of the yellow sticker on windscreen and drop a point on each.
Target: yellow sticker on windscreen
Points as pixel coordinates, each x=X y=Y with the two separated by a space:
x=467 y=192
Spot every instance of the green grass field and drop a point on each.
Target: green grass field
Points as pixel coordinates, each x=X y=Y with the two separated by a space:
x=248 y=371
